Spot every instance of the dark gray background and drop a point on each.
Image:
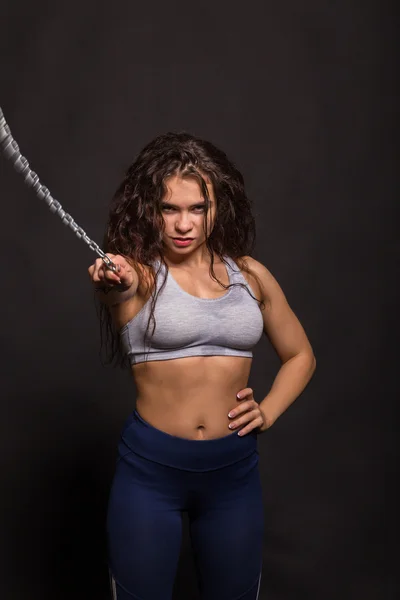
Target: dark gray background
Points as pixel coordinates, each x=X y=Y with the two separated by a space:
x=301 y=95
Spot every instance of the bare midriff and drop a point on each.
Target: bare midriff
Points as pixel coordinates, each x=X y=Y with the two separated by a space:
x=191 y=397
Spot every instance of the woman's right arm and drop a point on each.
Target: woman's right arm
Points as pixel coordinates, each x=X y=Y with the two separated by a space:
x=114 y=288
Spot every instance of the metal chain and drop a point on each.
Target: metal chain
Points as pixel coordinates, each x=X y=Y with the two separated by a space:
x=11 y=151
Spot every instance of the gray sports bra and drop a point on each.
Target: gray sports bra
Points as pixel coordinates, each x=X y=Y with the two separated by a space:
x=187 y=325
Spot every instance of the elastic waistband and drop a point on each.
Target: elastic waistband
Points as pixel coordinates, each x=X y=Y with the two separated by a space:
x=181 y=453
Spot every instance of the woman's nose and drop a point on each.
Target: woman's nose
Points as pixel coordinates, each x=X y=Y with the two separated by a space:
x=183 y=223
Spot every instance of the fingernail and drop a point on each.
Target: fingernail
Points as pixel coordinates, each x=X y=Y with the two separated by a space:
x=231 y=414
x=238 y=396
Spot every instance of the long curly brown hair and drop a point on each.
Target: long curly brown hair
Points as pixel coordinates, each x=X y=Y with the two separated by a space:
x=135 y=224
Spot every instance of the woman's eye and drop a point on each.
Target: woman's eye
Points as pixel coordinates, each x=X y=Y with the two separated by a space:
x=171 y=208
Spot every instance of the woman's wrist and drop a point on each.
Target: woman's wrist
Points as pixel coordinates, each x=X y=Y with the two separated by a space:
x=268 y=421
x=114 y=294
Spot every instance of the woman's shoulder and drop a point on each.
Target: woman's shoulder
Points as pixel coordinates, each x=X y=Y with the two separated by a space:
x=258 y=276
x=248 y=263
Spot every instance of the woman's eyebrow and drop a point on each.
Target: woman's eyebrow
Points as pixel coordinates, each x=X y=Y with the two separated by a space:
x=201 y=202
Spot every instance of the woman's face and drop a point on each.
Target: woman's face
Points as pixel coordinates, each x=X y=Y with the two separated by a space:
x=183 y=212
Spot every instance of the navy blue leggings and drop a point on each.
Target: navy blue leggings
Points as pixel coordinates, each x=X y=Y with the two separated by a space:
x=157 y=477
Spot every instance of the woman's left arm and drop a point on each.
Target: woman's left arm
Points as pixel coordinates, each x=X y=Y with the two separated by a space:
x=291 y=344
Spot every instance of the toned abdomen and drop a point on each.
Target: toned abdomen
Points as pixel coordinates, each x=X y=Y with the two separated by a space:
x=191 y=397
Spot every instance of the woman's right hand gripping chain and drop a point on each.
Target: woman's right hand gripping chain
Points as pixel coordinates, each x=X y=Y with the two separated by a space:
x=106 y=280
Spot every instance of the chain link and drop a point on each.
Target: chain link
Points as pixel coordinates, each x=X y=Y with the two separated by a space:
x=12 y=152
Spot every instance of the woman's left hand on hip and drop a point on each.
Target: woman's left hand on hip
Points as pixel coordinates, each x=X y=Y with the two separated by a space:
x=247 y=414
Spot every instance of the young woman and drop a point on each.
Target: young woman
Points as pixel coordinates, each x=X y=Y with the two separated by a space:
x=187 y=305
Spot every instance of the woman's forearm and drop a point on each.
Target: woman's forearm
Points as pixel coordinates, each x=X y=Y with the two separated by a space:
x=111 y=296
x=291 y=379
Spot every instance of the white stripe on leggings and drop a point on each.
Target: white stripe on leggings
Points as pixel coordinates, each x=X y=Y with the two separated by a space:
x=113 y=587
x=259 y=585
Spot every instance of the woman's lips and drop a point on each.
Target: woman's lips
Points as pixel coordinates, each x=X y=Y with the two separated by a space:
x=182 y=242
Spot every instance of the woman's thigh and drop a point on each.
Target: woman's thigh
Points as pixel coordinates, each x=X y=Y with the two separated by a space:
x=144 y=525
x=227 y=535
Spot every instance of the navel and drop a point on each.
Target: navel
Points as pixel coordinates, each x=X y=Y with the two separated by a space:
x=200 y=431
